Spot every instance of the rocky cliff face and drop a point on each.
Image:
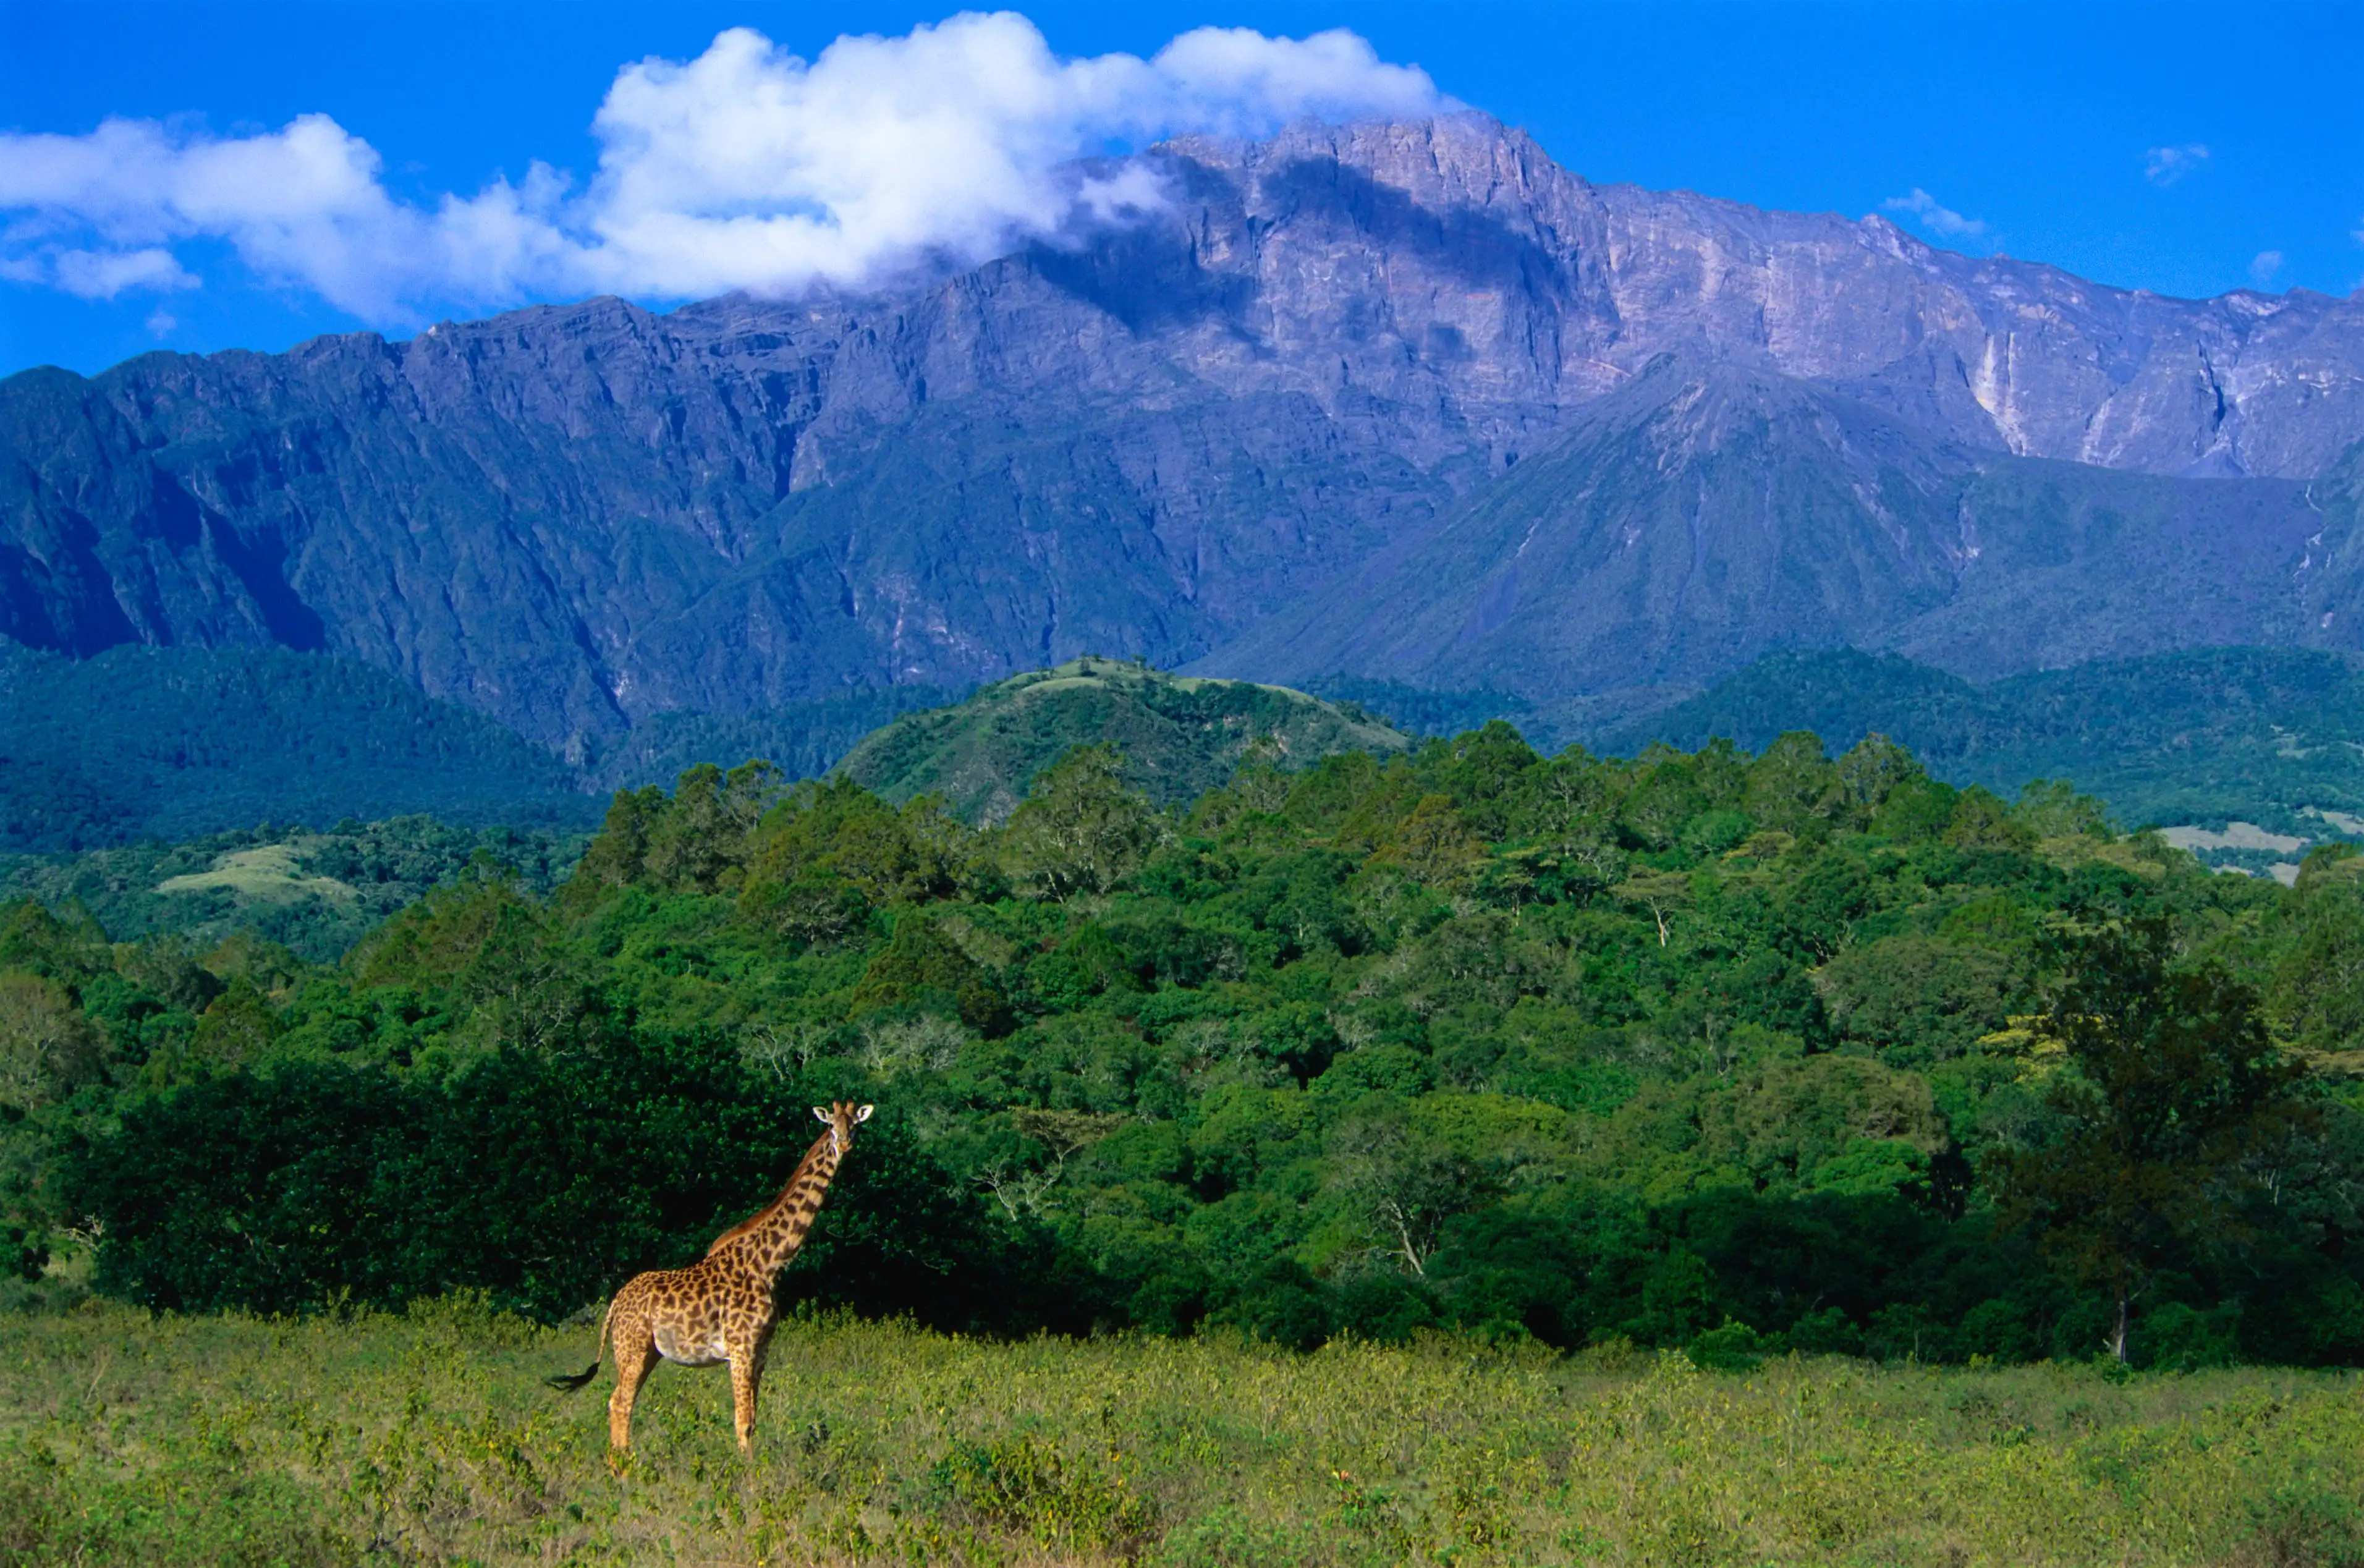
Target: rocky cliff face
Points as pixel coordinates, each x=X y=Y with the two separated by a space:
x=1703 y=515
x=571 y=517
x=1452 y=261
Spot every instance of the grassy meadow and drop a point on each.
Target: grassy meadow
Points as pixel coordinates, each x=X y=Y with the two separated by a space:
x=428 y=1438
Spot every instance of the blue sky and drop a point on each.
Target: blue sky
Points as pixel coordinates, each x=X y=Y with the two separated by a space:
x=2185 y=149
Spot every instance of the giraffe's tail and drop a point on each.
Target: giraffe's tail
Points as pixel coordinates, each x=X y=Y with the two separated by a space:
x=568 y=1383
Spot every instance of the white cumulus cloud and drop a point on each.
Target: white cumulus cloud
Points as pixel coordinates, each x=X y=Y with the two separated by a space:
x=2164 y=166
x=1937 y=218
x=746 y=168
x=97 y=214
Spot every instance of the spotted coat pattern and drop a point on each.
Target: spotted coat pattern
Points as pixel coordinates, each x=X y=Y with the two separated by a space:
x=720 y=1309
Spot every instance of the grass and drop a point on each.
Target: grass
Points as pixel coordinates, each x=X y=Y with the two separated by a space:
x=429 y=1438
x=270 y=873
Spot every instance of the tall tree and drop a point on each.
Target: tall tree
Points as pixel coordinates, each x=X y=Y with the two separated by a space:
x=2318 y=988
x=1081 y=828
x=2165 y=1080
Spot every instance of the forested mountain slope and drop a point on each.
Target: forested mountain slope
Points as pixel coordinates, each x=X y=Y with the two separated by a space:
x=177 y=744
x=2271 y=737
x=304 y=894
x=168 y=744
x=573 y=518
x=159 y=744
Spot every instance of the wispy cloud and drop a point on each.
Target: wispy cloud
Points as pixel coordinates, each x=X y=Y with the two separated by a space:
x=2265 y=266
x=95 y=274
x=1937 y=218
x=2163 y=166
x=103 y=274
x=746 y=168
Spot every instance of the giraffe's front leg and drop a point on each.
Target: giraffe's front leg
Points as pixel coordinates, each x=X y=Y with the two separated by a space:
x=746 y=1382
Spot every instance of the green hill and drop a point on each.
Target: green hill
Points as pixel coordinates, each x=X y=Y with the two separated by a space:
x=1180 y=737
x=176 y=744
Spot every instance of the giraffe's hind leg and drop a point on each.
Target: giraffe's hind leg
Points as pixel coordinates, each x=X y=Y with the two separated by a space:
x=636 y=1357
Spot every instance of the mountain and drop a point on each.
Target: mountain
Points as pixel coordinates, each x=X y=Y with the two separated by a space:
x=1154 y=441
x=1180 y=736
x=1704 y=513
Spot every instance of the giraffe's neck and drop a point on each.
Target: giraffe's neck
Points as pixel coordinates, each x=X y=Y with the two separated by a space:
x=768 y=1240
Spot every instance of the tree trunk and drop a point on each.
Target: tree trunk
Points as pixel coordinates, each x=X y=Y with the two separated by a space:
x=1403 y=1237
x=2117 y=1339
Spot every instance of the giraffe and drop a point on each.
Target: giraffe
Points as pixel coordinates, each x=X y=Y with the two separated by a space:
x=719 y=1309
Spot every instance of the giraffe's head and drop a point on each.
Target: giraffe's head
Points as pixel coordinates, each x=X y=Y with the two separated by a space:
x=843 y=1116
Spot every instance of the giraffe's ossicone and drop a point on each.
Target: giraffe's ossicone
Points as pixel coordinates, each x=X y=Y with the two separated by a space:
x=719 y=1309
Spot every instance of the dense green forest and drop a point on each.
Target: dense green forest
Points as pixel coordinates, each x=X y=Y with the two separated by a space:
x=1730 y=1052
x=803 y=740
x=2204 y=736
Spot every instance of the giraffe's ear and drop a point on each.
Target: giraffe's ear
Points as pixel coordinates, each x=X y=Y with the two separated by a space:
x=863 y=1114
x=822 y=1112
